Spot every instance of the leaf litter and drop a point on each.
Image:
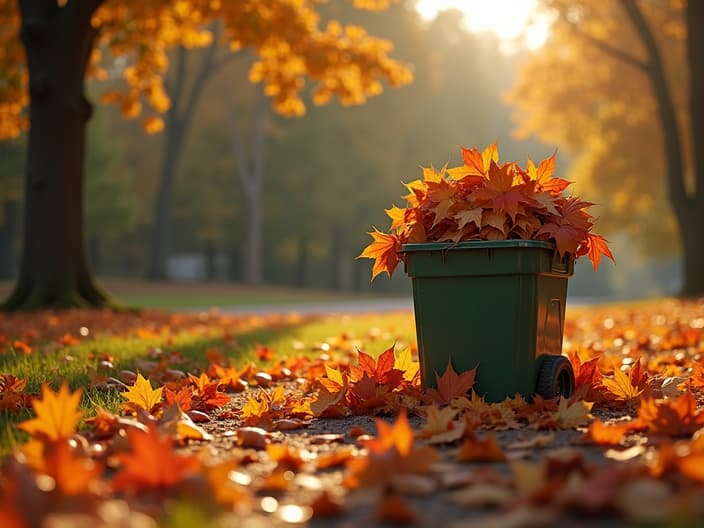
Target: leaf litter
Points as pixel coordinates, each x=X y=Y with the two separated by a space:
x=349 y=437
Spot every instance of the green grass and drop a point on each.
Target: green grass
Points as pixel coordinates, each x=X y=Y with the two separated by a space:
x=178 y=300
x=54 y=364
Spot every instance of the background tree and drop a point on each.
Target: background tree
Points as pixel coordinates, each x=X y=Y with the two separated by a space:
x=62 y=40
x=620 y=84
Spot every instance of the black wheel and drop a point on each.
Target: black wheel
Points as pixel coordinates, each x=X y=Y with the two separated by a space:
x=555 y=377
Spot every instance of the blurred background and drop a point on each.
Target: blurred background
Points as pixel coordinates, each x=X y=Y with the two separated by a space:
x=232 y=192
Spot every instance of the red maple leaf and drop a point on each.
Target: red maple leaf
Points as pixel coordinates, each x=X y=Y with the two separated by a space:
x=451 y=385
x=381 y=370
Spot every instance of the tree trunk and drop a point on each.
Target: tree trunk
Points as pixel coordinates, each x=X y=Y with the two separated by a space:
x=687 y=207
x=178 y=120
x=693 y=228
x=8 y=240
x=54 y=271
x=251 y=175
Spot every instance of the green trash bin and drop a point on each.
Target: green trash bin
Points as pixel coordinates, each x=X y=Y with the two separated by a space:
x=496 y=305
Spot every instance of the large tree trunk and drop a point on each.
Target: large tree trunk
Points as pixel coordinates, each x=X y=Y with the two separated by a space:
x=54 y=271
x=686 y=206
x=8 y=239
x=693 y=229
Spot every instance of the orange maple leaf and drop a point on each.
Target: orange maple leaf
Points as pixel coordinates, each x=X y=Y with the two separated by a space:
x=391 y=453
x=611 y=434
x=486 y=449
x=674 y=417
x=543 y=176
x=73 y=474
x=384 y=250
x=473 y=162
x=451 y=385
x=596 y=247
x=57 y=414
x=152 y=463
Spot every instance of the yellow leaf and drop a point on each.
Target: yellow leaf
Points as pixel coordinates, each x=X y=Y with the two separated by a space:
x=621 y=386
x=437 y=421
x=142 y=395
x=335 y=375
x=569 y=416
x=57 y=414
x=405 y=363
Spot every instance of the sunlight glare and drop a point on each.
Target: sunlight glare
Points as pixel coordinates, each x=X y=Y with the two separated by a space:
x=508 y=19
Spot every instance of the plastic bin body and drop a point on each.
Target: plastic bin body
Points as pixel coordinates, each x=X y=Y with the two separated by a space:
x=498 y=305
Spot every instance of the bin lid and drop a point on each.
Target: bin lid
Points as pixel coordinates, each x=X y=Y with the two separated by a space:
x=477 y=244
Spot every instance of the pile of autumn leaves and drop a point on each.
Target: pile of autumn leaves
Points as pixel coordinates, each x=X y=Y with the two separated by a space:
x=122 y=468
x=482 y=200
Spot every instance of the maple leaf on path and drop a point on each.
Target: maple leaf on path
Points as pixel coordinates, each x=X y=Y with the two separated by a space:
x=451 y=385
x=674 y=417
x=142 y=395
x=571 y=415
x=57 y=414
x=391 y=453
x=611 y=434
x=474 y=449
x=437 y=421
x=152 y=463
x=383 y=369
x=182 y=398
x=384 y=250
x=626 y=386
x=73 y=474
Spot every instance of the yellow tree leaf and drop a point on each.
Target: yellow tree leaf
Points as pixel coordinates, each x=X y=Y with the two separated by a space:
x=57 y=414
x=142 y=395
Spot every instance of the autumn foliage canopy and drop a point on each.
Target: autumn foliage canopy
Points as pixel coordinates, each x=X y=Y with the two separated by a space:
x=485 y=200
x=289 y=44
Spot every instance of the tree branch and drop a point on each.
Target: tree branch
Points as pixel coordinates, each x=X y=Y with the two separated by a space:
x=605 y=46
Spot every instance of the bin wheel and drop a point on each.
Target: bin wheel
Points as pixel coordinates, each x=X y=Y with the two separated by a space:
x=555 y=377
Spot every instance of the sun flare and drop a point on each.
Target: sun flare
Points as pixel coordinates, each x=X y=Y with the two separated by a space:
x=515 y=22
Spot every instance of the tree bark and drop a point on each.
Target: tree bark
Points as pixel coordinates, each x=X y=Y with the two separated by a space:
x=693 y=229
x=8 y=239
x=54 y=271
x=251 y=175
x=687 y=207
